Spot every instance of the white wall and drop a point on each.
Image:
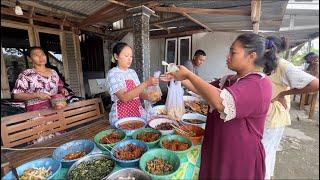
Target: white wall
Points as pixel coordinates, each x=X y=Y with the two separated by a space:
x=216 y=45
x=128 y=39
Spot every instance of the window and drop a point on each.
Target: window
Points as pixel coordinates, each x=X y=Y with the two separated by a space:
x=178 y=50
x=15 y=43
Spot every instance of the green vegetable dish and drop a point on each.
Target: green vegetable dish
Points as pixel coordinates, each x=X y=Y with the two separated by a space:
x=94 y=169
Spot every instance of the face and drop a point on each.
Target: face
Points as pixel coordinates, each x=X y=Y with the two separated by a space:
x=198 y=60
x=38 y=57
x=238 y=59
x=124 y=58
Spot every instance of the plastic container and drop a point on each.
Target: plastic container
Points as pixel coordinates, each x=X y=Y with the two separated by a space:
x=199 y=133
x=164 y=154
x=128 y=163
x=129 y=132
x=181 y=154
x=149 y=144
x=70 y=147
x=194 y=116
x=58 y=101
x=51 y=163
x=103 y=133
x=155 y=122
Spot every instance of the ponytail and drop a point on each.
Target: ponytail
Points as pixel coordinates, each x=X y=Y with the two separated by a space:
x=273 y=46
x=270 y=57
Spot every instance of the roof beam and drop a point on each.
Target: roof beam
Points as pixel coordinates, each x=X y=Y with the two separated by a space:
x=46 y=6
x=173 y=19
x=173 y=9
x=196 y=21
x=161 y=27
x=255 y=14
x=26 y=15
x=65 y=22
x=184 y=33
x=120 y=3
x=102 y=14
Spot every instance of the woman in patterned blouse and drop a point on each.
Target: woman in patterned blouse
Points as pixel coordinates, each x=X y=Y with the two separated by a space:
x=36 y=86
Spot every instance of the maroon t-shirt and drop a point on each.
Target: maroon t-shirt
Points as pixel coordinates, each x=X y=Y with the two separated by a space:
x=233 y=149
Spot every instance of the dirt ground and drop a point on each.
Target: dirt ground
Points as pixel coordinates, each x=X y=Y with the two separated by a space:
x=298 y=156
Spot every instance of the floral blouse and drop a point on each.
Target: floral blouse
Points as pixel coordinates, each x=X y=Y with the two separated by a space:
x=30 y=81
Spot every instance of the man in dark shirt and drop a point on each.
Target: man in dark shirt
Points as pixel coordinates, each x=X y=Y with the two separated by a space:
x=198 y=58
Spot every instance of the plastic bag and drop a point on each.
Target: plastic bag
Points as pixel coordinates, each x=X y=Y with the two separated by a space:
x=154 y=92
x=174 y=103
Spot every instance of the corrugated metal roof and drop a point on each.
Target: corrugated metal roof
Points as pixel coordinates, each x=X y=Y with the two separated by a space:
x=85 y=7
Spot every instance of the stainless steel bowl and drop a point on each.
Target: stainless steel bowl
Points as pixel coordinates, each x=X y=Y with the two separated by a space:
x=88 y=158
x=134 y=173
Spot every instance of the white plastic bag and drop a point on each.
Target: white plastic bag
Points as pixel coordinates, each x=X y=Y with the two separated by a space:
x=154 y=92
x=174 y=103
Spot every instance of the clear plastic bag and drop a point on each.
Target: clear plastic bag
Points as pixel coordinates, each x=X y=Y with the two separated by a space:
x=174 y=103
x=154 y=92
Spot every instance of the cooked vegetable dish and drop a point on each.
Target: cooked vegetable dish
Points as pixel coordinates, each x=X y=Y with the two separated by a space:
x=158 y=166
x=148 y=136
x=129 y=152
x=175 y=145
x=92 y=170
x=131 y=125
x=111 y=138
x=74 y=155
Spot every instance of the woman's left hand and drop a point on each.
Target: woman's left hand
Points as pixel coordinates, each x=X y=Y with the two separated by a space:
x=182 y=74
x=64 y=92
x=280 y=98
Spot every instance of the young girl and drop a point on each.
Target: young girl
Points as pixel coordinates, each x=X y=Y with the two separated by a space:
x=124 y=85
x=239 y=103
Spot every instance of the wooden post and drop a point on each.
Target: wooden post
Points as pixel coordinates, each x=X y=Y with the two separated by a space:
x=302 y=101
x=5 y=89
x=313 y=105
x=255 y=14
x=76 y=42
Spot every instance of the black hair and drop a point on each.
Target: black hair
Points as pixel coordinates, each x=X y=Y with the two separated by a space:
x=309 y=55
x=33 y=48
x=199 y=52
x=280 y=43
x=266 y=57
x=117 y=48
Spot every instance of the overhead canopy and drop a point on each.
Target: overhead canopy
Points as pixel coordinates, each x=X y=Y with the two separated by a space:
x=300 y=22
x=296 y=19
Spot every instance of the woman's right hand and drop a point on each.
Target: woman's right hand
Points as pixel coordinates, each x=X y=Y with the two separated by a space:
x=152 y=81
x=43 y=96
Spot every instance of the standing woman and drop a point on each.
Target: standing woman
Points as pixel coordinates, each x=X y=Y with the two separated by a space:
x=124 y=85
x=239 y=103
x=36 y=86
x=287 y=79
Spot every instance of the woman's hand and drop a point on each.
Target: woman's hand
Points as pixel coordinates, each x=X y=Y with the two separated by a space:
x=182 y=74
x=152 y=81
x=280 y=98
x=43 y=96
x=166 y=77
x=64 y=92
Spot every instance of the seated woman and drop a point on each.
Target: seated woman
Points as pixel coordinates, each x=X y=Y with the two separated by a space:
x=36 y=86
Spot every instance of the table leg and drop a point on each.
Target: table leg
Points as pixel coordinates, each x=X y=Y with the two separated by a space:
x=313 y=105
x=302 y=101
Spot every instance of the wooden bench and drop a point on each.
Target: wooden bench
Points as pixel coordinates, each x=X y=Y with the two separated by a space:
x=26 y=127
x=18 y=158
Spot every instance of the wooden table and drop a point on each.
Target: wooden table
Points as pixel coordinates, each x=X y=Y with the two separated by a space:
x=18 y=158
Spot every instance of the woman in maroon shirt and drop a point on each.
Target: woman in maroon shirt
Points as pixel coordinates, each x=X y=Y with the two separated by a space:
x=239 y=103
